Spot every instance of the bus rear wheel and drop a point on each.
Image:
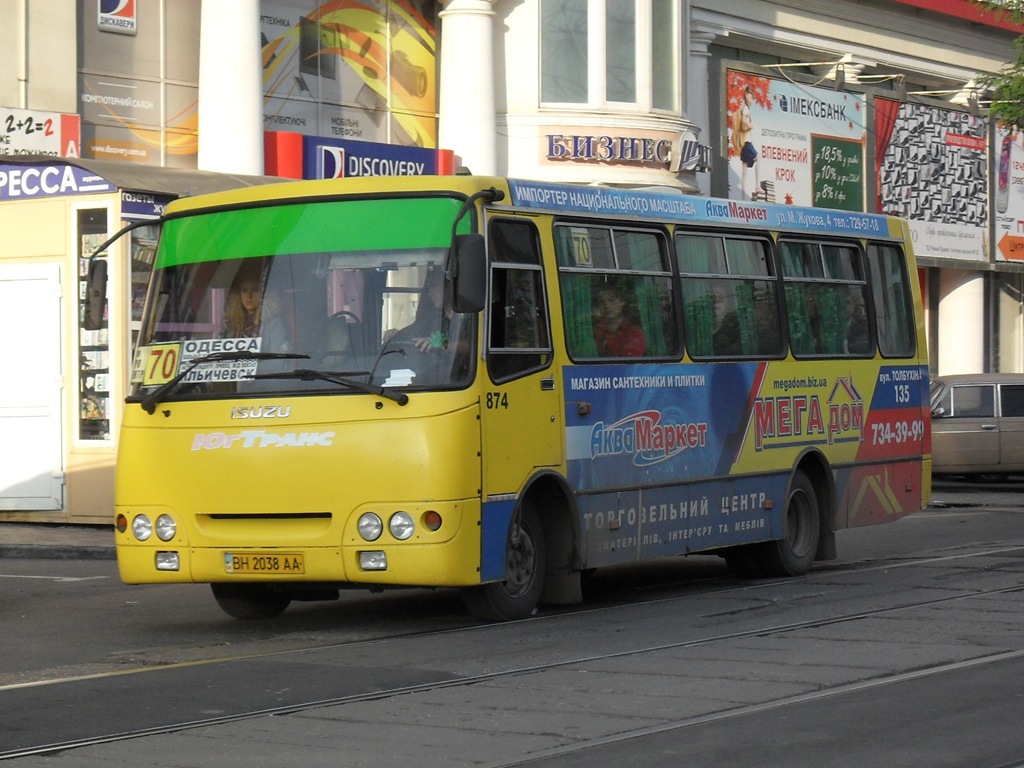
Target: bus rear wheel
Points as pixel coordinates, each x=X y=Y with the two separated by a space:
x=250 y=601
x=793 y=554
x=518 y=595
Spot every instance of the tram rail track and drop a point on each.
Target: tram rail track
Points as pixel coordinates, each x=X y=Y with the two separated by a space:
x=763 y=629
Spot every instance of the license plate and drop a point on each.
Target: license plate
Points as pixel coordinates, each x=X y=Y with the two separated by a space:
x=260 y=562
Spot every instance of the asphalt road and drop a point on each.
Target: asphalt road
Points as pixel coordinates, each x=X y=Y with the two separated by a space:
x=907 y=651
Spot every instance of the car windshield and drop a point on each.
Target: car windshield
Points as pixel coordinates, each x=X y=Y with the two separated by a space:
x=278 y=316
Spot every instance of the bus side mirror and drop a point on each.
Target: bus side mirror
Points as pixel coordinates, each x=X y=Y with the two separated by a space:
x=470 y=273
x=95 y=295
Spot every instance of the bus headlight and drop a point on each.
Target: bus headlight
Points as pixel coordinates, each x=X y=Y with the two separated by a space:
x=370 y=526
x=401 y=525
x=166 y=528
x=142 y=527
x=373 y=561
x=168 y=561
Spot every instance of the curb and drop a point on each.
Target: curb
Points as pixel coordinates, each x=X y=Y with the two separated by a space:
x=56 y=552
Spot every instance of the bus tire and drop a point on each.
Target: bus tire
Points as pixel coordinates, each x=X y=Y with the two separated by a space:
x=525 y=559
x=793 y=554
x=250 y=601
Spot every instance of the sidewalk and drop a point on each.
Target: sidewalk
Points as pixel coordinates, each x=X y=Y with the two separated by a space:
x=57 y=542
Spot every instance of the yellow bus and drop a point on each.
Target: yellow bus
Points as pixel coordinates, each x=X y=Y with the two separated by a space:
x=499 y=385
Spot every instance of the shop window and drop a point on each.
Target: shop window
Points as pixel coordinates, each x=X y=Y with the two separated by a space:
x=563 y=43
x=599 y=52
x=620 y=52
x=94 y=380
x=664 y=55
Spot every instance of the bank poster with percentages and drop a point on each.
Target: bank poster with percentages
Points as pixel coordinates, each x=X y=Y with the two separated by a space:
x=675 y=458
x=794 y=144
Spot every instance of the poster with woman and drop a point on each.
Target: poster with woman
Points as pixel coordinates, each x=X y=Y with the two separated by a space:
x=794 y=143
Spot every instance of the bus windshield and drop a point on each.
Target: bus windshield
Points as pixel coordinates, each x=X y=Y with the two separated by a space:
x=314 y=296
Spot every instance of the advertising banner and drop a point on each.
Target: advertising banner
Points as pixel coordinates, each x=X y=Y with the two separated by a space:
x=30 y=131
x=794 y=144
x=117 y=16
x=327 y=159
x=931 y=168
x=137 y=80
x=1008 y=207
x=363 y=71
x=20 y=182
x=648 y=432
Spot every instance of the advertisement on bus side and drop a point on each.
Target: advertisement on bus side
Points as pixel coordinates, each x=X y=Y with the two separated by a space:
x=662 y=428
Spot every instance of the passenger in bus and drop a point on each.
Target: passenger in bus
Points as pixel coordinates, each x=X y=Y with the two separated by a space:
x=727 y=335
x=243 y=305
x=437 y=329
x=616 y=333
x=337 y=343
x=426 y=332
x=250 y=312
x=857 y=342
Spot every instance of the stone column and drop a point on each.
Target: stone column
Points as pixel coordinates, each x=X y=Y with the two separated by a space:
x=961 y=322
x=698 y=97
x=230 y=87
x=467 y=123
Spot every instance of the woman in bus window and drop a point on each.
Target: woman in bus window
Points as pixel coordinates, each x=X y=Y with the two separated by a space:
x=615 y=333
x=243 y=305
x=255 y=311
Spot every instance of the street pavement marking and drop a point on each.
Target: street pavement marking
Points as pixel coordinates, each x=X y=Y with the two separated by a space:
x=51 y=578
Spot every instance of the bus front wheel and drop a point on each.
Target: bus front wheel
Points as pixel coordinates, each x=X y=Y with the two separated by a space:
x=793 y=554
x=518 y=595
x=250 y=601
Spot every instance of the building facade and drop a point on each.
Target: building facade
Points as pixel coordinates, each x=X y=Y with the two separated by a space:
x=108 y=110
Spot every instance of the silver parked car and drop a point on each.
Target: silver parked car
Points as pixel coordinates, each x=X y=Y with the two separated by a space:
x=978 y=424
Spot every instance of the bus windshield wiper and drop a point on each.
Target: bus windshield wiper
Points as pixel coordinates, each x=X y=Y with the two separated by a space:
x=306 y=374
x=150 y=400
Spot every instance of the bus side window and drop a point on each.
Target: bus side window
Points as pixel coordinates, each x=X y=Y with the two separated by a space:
x=890 y=291
x=826 y=297
x=518 y=337
x=729 y=297
x=593 y=259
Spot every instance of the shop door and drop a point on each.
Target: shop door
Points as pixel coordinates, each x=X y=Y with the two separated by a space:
x=32 y=472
